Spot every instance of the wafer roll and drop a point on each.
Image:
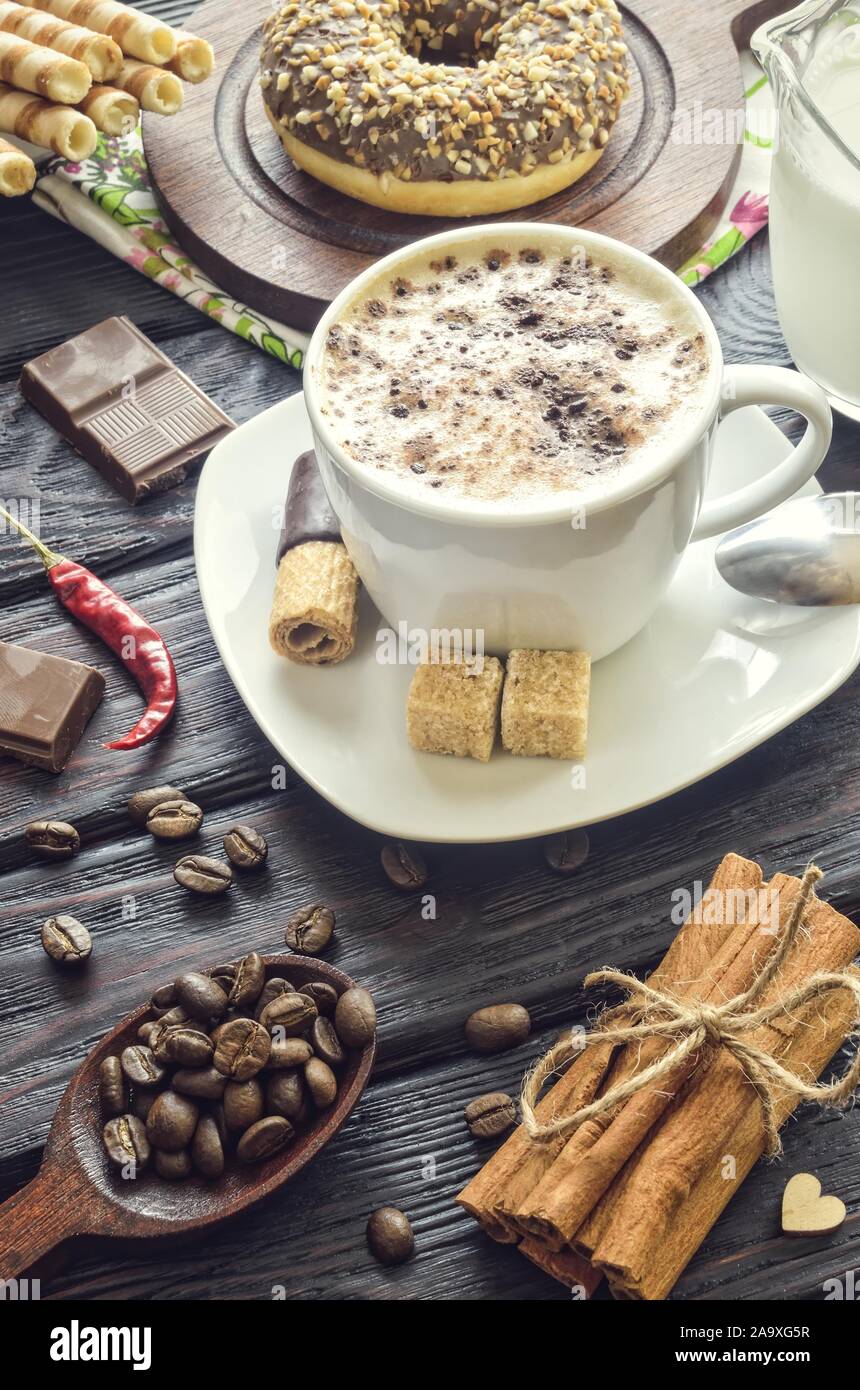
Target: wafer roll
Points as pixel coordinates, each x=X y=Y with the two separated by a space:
x=194 y=59
x=138 y=34
x=17 y=171
x=314 y=616
x=58 y=128
x=32 y=68
x=110 y=110
x=100 y=54
x=155 y=89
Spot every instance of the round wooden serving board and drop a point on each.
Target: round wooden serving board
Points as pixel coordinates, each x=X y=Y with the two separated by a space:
x=276 y=239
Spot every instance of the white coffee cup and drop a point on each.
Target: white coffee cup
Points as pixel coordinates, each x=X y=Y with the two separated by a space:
x=576 y=571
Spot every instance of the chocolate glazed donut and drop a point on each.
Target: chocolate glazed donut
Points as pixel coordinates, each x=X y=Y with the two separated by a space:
x=446 y=108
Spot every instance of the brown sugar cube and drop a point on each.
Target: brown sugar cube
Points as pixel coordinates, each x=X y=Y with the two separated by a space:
x=545 y=705
x=453 y=707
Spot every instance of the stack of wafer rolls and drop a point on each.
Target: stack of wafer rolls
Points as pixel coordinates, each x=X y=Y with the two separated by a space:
x=105 y=59
x=17 y=171
x=139 y=35
x=98 y=52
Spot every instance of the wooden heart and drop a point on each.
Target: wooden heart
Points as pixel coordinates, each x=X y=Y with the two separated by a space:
x=805 y=1212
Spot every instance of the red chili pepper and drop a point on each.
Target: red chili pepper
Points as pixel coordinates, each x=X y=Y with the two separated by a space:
x=122 y=629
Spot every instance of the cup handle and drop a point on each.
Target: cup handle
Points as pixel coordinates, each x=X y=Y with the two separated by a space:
x=760 y=385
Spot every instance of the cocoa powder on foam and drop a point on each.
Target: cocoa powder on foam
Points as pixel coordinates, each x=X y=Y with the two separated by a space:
x=512 y=374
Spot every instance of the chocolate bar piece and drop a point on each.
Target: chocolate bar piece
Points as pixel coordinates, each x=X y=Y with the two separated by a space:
x=45 y=705
x=125 y=407
x=307 y=515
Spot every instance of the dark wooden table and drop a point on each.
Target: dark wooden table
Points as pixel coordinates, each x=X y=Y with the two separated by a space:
x=505 y=928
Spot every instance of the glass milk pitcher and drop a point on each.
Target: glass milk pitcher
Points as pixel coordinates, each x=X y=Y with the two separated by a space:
x=812 y=57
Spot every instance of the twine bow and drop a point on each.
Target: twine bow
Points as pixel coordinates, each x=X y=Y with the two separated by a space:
x=693 y=1025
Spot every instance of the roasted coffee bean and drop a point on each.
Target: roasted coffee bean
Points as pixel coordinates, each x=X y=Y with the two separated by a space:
x=200 y=995
x=184 y=1046
x=175 y=1015
x=146 y=1031
x=155 y=1032
x=310 y=929
x=141 y=1067
x=171 y=1121
x=291 y=1014
x=207 y=1151
x=264 y=1138
x=66 y=940
x=245 y=847
x=404 y=867
x=326 y=1043
x=289 y=1052
x=141 y=1103
x=242 y=1049
x=174 y=820
x=199 y=874
x=52 y=839
x=497 y=1028
x=223 y=975
x=201 y=1083
x=163 y=999
x=216 y=1113
x=243 y=1104
x=248 y=981
x=567 y=852
x=490 y=1115
x=389 y=1236
x=174 y=1165
x=324 y=996
x=285 y=1095
x=113 y=1092
x=272 y=989
x=126 y=1142
x=355 y=1017
x=321 y=1082
x=140 y=805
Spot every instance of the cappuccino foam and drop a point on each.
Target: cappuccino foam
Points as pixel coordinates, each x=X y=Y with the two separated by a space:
x=506 y=375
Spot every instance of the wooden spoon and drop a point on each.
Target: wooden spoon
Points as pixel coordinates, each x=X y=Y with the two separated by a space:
x=76 y=1192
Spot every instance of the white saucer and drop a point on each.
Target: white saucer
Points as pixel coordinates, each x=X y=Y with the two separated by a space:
x=713 y=674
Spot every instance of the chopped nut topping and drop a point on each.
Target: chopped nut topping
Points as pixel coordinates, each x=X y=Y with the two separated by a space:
x=552 y=74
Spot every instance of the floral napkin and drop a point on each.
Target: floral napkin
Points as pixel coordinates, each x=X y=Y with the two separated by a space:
x=109 y=198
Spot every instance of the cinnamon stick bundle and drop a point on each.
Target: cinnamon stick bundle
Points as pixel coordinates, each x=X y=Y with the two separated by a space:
x=499 y=1195
x=680 y=1168
x=635 y=1190
x=596 y=1153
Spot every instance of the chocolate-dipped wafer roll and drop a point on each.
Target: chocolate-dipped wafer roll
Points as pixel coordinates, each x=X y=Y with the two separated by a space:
x=34 y=68
x=155 y=89
x=17 y=171
x=101 y=55
x=314 y=616
x=194 y=59
x=58 y=128
x=138 y=34
x=110 y=110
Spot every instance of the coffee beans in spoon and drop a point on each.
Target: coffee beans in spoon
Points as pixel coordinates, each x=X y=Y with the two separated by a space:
x=216 y=1083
